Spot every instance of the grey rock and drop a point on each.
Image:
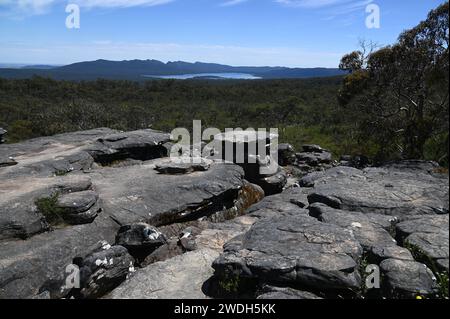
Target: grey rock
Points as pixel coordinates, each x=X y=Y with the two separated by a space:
x=292 y=200
x=295 y=250
x=79 y=207
x=407 y=279
x=396 y=191
x=28 y=268
x=19 y=215
x=139 y=194
x=315 y=159
x=48 y=156
x=139 y=235
x=427 y=237
x=173 y=168
x=103 y=270
x=181 y=277
x=372 y=231
x=273 y=184
x=141 y=145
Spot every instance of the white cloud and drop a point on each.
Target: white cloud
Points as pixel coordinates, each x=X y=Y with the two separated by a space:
x=316 y=4
x=232 y=3
x=21 y=8
x=119 y=3
x=310 y=3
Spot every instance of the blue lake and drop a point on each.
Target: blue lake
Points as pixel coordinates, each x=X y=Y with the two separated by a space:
x=234 y=76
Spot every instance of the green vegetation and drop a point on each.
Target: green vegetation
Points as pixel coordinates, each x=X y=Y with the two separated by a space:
x=48 y=207
x=303 y=110
x=397 y=97
x=229 y=284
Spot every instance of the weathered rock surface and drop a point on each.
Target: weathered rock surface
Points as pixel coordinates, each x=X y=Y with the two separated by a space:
x=296 y=250
x=372 y=231
x=175 y=168
x=428 y=238
x=140 y=145
x=181 y=277
x=49 y=156
x=19 y=214
x=28 y=268
x=407 y=279
x=314 y=159
x=402 y=190
x=140 y=194
x=103 y=270
x=253 y=152
x=79 y=207
x=127 y=194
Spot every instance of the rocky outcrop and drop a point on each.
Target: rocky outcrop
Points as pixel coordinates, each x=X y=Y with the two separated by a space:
x=398 y=190
x=296 y=250
x=70 y=191
x=137 y=224
x=138 y=145
x=252 y=151
x=29 y=206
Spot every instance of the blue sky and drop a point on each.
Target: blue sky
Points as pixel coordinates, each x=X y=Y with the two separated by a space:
x=300 y=33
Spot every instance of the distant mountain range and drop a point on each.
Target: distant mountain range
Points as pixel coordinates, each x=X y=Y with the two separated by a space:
x=139 y=70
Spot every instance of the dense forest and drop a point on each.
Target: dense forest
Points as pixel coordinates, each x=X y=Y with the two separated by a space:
x=303 y=110
x=393 y=103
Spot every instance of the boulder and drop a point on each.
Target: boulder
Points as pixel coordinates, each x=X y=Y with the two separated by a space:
x=31 y=267
x=295 y=250
x=407 y=279
x=103 y=270
x=79 y=207
x=314 y=159
x=139 y=235
x=402 y=191
x=181 y=277
x=141 y=145
x=252 y=151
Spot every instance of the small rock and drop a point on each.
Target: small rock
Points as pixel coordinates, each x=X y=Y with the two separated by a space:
x=407 y=279
x=103 y=270
x=79 y=207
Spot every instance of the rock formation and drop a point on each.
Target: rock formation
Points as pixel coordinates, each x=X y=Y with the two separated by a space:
x=107 y=214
